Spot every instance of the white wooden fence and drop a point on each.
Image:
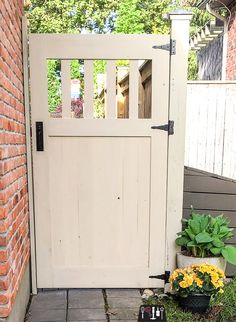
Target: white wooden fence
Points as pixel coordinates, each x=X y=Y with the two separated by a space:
x=211 y=127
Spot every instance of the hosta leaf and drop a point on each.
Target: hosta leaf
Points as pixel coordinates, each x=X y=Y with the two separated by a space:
x=182 y=241
x=195 y=225
x=196 y=216
x=190 y=233
x=229 y=253
x=203 y=238
x=208 y=246
x=204 y=222
x=223 y=231
x=217 y=242
x=191 y=243
x=216 y=251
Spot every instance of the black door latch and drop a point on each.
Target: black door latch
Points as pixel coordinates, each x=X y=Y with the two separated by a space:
x=39 y=136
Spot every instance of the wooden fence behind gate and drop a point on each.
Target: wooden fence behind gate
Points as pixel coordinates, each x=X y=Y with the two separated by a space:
x=210 y=143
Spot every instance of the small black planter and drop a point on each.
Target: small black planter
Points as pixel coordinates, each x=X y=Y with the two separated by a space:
x=198 y=303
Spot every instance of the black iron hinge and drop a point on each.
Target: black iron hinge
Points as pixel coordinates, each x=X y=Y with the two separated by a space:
x=166 y=127
x=171 y=47
x=165 y=277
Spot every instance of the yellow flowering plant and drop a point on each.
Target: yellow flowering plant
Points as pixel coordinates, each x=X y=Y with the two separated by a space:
x=197 y=279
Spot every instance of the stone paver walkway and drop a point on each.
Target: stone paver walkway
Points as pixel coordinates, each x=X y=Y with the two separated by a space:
x=81 y=305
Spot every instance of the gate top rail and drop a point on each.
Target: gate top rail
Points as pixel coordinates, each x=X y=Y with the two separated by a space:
x=69 y=46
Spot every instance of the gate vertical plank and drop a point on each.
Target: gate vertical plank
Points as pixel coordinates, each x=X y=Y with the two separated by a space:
x=178 y=89
x=133 y=89
x=111 y=90
x=159 y=115
x=39 y=102
x=88 y=89
x=66 y=88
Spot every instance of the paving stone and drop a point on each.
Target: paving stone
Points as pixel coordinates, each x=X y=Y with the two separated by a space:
x=122 y=293
x=49 y=300
x=86 y=315
x=123 y=302
x=124 y=314
x=85 y=299
x=47 y=315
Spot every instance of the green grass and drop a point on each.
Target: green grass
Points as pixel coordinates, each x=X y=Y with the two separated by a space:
x=223 y=307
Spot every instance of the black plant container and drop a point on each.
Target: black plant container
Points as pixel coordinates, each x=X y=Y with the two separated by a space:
x=197 y=303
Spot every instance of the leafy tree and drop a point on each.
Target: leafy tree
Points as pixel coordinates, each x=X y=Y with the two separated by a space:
x=152 y=12
x=70 y=16
x=129 y=18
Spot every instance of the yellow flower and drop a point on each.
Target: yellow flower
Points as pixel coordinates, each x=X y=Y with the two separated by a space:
x=183 y=284
x=187 y=281
x=221 y=291
x=198 y=281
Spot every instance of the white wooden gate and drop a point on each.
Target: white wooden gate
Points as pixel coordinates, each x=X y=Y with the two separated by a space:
x=100 y=185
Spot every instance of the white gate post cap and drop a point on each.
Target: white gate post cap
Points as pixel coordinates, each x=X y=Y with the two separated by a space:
x=180 y=14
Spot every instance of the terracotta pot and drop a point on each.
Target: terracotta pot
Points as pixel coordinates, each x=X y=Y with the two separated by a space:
x=197 y=303
x=185 y=261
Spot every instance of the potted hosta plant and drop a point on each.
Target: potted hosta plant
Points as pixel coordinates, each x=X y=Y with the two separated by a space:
x=203 y=241
x=195 y=285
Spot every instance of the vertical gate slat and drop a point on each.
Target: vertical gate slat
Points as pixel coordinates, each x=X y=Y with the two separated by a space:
x=88 y=89
x=66 y=88
x=111 y=90
x=133 y=89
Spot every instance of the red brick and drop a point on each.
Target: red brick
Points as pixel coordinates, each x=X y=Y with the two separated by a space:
x=5 y=283
x=4 y=298
x=4 y=268
x=3 y=212
x=231 y=51
x=3 y=255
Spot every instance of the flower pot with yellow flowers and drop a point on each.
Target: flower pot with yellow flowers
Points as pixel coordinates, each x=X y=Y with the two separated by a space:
x=194 y=286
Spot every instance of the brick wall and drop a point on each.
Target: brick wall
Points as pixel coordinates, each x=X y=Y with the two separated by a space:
x=14 y=230
x=231 y=50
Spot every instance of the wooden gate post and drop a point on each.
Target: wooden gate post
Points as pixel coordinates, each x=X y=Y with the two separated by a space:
x=180 y=20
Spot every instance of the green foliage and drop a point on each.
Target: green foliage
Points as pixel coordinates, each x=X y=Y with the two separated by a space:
x=99 y=108
x=227 y=300
x=129 y=19
x=54 y=85
x=192 y=65
x=70 y=16
x=205 y=236
x=75 y=69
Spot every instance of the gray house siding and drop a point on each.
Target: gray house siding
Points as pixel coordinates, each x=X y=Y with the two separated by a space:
x=210 y=60
x=209 y=193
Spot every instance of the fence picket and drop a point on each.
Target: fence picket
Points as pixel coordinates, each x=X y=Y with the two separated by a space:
x=133 y=89
x=110 y=102
x=88 y=89
x=66 y=88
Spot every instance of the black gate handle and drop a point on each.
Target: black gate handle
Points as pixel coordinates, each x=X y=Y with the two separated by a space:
x=39 y=136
